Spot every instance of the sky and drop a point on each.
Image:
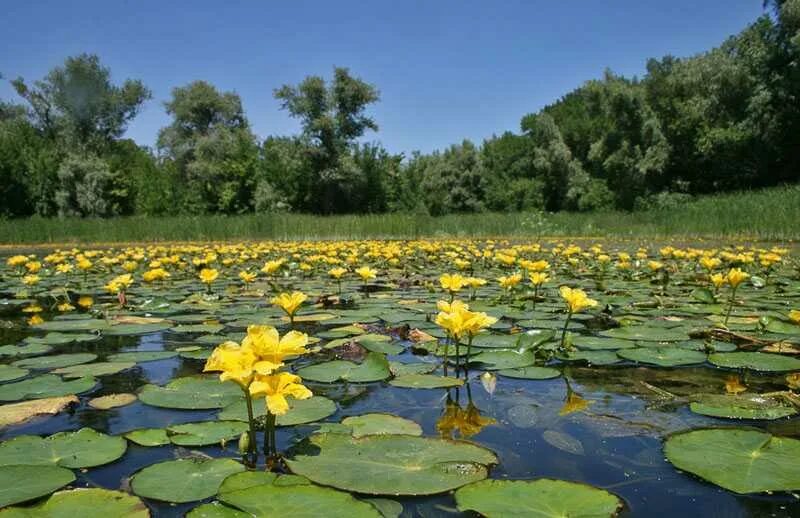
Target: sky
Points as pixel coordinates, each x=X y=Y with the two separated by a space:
x=446 y=69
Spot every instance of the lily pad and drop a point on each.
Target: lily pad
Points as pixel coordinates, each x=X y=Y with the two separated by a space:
x=191 y=393
x=599 y=343
x=86 y=503
x=136 y=329
x=392 y=464
x=16 y=413
x=301 y=411
x=84 y=324
x=141 y=356
x=380 y=424
x=663 y=356
x=31 y=349
x=149 y=437
x=375 y=367
x=183 y=480
x=741 y=406
x=23 y=483
x=94 y=369
x=504 y=359
x=543 y=497
x=591 y=357
x=740 y=460
x=11 y=373
x=425 y=381
x=44 y=386
x=112 y=401
x=248 y=479
x=205 y=433
x=647 y=333
x=765 y=362
x=401 y=369
x=56 y=361
x=531 y=373
x=298 y=501
x=84 y=448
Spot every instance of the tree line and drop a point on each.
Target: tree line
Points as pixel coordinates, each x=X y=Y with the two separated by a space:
x=725 y=119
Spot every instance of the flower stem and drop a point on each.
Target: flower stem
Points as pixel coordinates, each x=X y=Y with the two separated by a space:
x=730 y=306
x=564 y=331
x=251 y=447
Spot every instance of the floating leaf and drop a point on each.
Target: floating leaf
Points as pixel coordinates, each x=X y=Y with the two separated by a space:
x=84 y=448
x=141 y=356
x=401 y=369
x=44 y=386
x=136 y=329
x=112 y=401
x=563 y=441
x=742 y=406
x=392 y=464
x=380 y=424
x=425 y=381
x=504 y=359
x=183 y=480
x=191 y=393
x=22 y=483
x=531 y=373
x=17 y=413
x=11 y=373
x=55 y=361
x=543 y=497
x=647 y=333
x=149 y=437
x=86 y=503
x=205 y=433
x=375 y=367
x=663 y=356
x=301 y=411
x=248 y=479
x=94 y=369
x=301 y=501
x=765 y=362
x=740 y=460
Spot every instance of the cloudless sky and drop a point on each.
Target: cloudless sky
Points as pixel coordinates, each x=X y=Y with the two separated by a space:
x=446 y=69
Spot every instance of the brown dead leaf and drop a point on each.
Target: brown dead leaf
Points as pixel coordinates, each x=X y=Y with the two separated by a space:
x=417 y=336
x=17 y=413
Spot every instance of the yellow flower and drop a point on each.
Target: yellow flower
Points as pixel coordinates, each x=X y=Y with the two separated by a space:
x=539 y=278
x=709 y=263
x=276 y=387
x=451 y=307
x=337 y=272
x=289 y=302
x=130 y=266
x=576 y=299
x=119 y=283
x=473 y=322
x=16 y=260
x=30 y=280
x=794 y=316
x=65 y=306
x=475 y=282
x=85 y=301
x=452 y=322
x=32 y=308
x=539 y=266
x=717 y=279
x=510 y=281
x=733 y=385
x=271 y=349
x=366 y=273
x=236 y=363
x=208 y=275
x=33 y=266
x=155 y=274
x=655 y=265
x=247 y=277
x=736 y=276
x=452 y=282
x=271 y=267
x=64 y=268
x=35 y=320
x=84 y=264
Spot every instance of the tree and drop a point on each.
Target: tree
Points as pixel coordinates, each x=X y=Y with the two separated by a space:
x=214 y=152
x=85 y=185
x=333 y=117
x=79 y=105
x=454 y=181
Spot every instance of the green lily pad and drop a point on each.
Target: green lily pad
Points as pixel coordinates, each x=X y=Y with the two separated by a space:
x=425 y=381
x=198 y=328
x=57 y=338
x=542 y=497
x=183 y=480
x=44 y=386
x=741 y=406
x=504 y=359
x=663 y=356
x=301 y=411
x=205 y=433
x=136 y=329
x=216 y=510
x=32 y=349
x=647 y=333
x=401 y=369
x=599 y=343
x=740 y=460
x=56 y=361
x=531 y=373
x=22 y=483
x=298 y=501
x=141 y=356
x=375 y=367
x=191 y=393
x=84 y=324
x=11 y=373
x=392 y=464
x=379 y=424
x=86 y=503
x=591 y=357
x=149 y=437
x=84 y=448
x=765 y=362
x=94 y=369
x=248 y=479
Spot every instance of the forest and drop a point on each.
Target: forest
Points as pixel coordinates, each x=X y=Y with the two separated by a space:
x=727 y=119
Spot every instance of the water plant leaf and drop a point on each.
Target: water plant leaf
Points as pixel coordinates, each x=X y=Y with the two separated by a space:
x=11 y=373
x=94 y=369
x=380 y=424
x=44 y=386
x=400 y=369
x=136 y=329
x=205 y=433
x=300 y=501
x=766 y=362
x=563 y=441
x=504 y=359
x=301 y=411
x=247 y=479
x=191 y=393
x=22 y=483
x=375 y=367
x=740 y=460
x=183 y=480
x=83 y=448
x=599 y=343
x=141 y=356
x=216 y=510
x=148 y=437
x=542 y=497
x=392 y=464
x=741 y=406
x=645 y=333
x=86 y=503
x=16 y=413
x=425 y=381
x=110 y=401
x=663 y=356
x=56 y=361
x=531 y=372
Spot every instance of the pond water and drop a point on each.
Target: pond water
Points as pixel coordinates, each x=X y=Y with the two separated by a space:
x=601 y=419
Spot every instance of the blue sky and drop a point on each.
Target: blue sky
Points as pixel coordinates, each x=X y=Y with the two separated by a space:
x=446 y=69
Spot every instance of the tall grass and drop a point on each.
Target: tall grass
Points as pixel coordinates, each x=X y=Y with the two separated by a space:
x=772 y=214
